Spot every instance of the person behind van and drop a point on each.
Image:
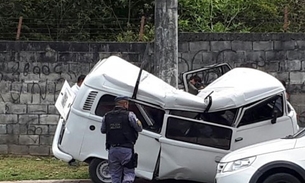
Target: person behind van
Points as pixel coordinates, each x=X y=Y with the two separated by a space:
x=195 y=84
x=121 y=128
x=76 y=86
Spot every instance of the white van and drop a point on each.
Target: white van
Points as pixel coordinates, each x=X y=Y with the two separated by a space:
x=184 y=135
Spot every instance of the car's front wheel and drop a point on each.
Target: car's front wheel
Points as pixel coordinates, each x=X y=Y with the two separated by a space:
x=99 y=171
x=281 y=178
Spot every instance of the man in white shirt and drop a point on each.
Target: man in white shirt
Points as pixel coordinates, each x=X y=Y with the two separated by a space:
x=76 y=86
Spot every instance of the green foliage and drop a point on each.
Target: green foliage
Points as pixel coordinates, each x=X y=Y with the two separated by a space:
x=229 y=15
x=119 y=20
x=131 y=36
x=81 y=20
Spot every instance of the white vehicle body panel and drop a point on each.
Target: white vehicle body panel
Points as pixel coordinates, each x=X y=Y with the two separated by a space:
x=79 y=137
x=185 y=161
x=287 y=150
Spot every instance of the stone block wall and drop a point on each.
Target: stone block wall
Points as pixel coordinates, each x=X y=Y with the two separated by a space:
x=32 y=74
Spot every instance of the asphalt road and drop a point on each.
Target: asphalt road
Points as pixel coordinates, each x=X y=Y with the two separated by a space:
x=89 y=181
x=163 y=181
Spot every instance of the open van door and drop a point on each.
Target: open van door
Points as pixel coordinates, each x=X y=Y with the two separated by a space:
x=208 y=74
x=191 y=145
x=64 y=100
x=148 y=145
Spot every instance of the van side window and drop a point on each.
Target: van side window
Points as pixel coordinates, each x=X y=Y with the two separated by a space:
x=105 y=104
x=226 y=117
x=198 y=133
x=151 y=118
x=263 y=111
x=187 y=114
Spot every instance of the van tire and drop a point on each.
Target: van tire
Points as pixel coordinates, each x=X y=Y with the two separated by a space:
x=99 y=171
x=282 y=177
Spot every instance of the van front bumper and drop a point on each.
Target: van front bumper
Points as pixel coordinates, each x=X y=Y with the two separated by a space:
x=57 y=152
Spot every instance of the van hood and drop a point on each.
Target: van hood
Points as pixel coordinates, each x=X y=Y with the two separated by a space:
x=261 y=148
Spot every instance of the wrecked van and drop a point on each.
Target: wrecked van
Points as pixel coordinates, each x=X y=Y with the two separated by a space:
x=184 y=135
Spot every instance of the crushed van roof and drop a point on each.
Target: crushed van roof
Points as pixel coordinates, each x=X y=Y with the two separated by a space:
x=239 y=86
x=118 y=77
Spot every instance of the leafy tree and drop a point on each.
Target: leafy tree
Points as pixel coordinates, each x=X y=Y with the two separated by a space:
x=81 y=20
x=228 y=15
x=119 y=20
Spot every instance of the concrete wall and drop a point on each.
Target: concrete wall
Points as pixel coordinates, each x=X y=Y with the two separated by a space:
x=279 y=54
x=32 y=73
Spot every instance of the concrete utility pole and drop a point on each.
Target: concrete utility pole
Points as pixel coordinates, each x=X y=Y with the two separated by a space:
x=166 y=41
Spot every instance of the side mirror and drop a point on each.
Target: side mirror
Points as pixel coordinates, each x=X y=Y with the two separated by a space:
x=274 y=117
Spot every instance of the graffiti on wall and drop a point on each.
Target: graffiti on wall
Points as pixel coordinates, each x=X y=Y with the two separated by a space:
x=32 y=78
x=18 y=69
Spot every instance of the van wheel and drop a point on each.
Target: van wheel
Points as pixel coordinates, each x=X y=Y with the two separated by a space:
x=99 y=171
x=282 y=178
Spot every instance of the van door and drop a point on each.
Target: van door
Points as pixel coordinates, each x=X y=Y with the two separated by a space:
x=148 y=145
x=190 y=148
x=255 y=124
x=207 y=74
x=148 y=148
x=64 y=100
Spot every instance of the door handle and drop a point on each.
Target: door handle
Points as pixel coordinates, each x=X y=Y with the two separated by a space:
x=238 y=139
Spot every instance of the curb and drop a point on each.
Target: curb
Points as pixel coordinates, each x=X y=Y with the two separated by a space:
x=50 y=181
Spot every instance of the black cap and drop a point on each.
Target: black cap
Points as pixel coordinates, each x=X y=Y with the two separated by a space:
x=119 y=98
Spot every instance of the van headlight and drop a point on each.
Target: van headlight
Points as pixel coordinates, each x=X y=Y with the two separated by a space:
x=235 y=165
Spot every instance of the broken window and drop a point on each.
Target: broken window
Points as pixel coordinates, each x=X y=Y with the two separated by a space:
x=225 y=117
x=151 y=118
x=207 y=75
x=198 y=133
x=187 y=114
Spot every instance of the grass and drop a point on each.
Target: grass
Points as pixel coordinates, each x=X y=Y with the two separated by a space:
x=39 y=168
